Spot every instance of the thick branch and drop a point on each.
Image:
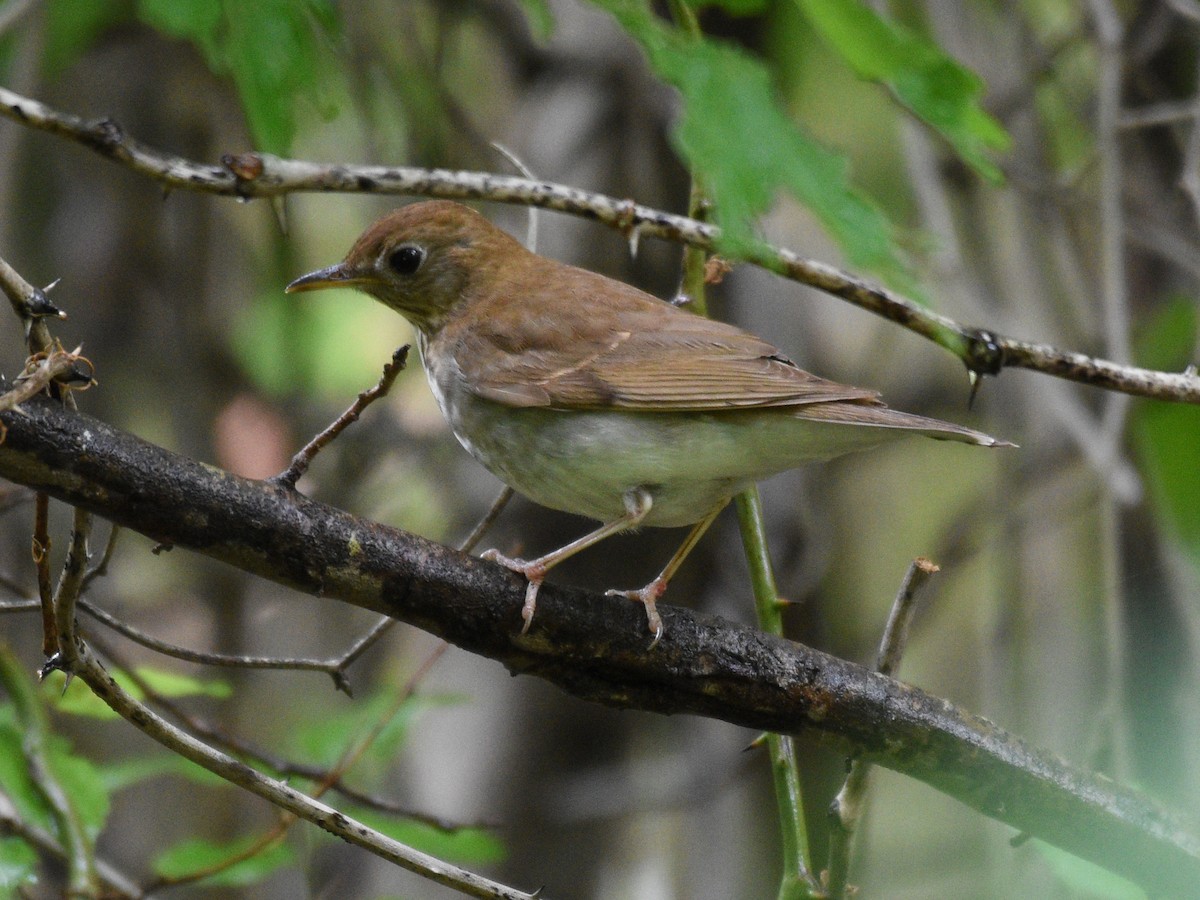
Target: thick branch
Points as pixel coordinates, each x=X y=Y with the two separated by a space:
x=261 y=175
x=594 y=646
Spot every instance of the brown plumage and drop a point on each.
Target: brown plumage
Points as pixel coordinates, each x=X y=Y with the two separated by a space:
x=592 y=396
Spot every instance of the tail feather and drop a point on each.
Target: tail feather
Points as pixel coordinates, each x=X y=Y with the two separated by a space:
x=878 y=416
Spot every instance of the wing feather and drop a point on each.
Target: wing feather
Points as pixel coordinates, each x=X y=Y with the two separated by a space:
x=614 y=347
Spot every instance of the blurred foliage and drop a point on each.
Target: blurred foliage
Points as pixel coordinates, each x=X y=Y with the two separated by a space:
x=277 y=52
x=253 y=861
x=1167 y=435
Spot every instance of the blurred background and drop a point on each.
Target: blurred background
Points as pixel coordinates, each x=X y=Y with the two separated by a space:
x=1067 y=610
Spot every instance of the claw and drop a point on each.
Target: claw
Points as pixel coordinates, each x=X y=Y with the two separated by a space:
x=647 y=596
x=531 y=592
x=534 y=572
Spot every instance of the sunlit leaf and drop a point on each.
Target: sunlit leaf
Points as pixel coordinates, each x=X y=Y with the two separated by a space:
x=744 y=149
x=944 y=93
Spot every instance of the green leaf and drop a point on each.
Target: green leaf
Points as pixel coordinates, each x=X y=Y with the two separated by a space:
x=934 y=86
x=540 y=18
x=173 y=684
x=82 y=784
x=190 y=856
x=743 y=148
x=733 y=7
x=275 y=56
x=323 y=740
x=79 y=700
x=465 y=846
x=198 y=21
x=1165 y=434
x=74 y=25
x=18 y=866
x=77 y=776
x=15 y=781
x=273 y=49
x=127 y=773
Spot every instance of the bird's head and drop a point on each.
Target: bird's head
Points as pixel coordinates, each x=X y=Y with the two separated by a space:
x=420 y=260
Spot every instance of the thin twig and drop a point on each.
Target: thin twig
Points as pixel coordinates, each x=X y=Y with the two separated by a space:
x=302 y=460
x=330 y=779
x=117 y=886
x=101 y=568
x=485 y=523
x=261 y=175
x=77 y=849
x=41 y=563
x=31 y=305
x=279 y=793
x=331 y=667
x=70 y=584
x=847 y=806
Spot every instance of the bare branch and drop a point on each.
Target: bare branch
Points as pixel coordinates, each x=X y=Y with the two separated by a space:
x=260 y=175
x=302 y=460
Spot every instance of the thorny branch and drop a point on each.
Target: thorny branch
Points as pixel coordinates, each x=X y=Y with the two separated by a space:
x=260 y=175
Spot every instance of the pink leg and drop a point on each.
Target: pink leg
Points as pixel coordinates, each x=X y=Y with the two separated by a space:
x=637 y=505
x=651 y=593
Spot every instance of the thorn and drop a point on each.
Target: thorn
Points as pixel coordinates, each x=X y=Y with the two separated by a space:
x=634 y=236
x=757 y=744
x=279 y=207
x=38 y=305
x=976 y=380
x=52 y=664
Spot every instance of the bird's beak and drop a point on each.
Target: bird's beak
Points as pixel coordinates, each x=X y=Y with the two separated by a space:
x=339 y=275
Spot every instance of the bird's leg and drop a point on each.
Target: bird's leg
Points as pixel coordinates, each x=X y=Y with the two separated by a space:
x=650 y=594
x=637 y=505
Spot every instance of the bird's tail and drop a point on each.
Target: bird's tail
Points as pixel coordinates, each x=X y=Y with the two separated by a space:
x=879 y=416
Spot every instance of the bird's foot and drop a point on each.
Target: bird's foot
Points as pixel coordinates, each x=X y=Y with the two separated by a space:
x=534 y=572
x=647 y=596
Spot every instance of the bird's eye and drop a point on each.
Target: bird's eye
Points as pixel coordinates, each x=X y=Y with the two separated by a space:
x=406 y=260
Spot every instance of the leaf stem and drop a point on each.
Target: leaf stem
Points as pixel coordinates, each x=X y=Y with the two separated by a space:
x=797 y=881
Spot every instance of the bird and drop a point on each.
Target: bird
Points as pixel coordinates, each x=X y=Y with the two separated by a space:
x=588 y=395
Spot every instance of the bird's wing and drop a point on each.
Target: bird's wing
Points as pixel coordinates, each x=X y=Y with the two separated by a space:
x=652 y=356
